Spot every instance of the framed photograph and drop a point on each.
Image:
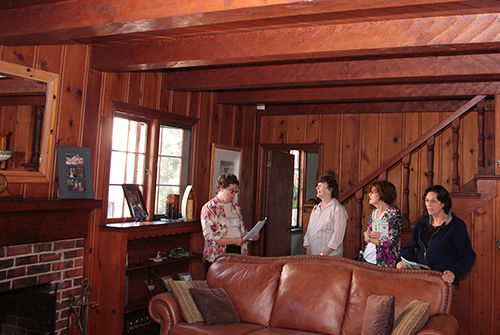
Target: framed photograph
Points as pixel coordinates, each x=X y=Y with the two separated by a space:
x=135 y=201
x=164 y=279
x=186 y=276
x=74 y=171
x=225 y=159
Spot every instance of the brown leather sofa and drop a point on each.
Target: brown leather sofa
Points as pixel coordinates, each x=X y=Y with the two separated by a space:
x=308 y=295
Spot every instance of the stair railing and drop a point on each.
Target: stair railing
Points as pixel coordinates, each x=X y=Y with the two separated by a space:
x=404 y=157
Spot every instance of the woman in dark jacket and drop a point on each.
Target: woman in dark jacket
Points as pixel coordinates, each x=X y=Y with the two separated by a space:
x=440 y=240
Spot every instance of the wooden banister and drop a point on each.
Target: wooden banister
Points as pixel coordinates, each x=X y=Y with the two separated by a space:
x=410 y=148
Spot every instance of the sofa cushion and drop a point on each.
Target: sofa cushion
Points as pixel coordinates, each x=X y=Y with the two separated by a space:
x=412 y=319
x=250 y=285
x=312 y=296
x=386 y=281
x=180 y=290
x=214 y=305
x=379 y=315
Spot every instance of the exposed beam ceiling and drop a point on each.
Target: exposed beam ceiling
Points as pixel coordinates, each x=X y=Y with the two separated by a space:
x=415 y=54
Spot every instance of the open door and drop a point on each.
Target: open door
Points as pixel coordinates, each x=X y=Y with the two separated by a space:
x=279 y=203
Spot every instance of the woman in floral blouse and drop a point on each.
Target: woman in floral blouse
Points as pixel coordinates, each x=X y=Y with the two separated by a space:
x=222 y=222
x=383 y=233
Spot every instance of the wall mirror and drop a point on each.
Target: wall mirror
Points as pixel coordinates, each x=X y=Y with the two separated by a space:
x=27 y=117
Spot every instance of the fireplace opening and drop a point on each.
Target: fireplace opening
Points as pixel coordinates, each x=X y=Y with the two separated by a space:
x=30 y=310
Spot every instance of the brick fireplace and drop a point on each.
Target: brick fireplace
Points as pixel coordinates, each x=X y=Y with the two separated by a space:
x=43 y=243
x=59 y=263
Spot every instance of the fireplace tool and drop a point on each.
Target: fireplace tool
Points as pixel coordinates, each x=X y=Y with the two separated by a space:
x=79 y=310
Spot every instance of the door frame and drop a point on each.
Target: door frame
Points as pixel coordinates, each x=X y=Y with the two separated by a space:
x=260 y=191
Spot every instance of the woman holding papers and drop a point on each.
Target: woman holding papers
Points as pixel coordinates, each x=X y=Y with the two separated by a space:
x=326 y=229
x=440 y=240
x=222 y=222
x=383 y=233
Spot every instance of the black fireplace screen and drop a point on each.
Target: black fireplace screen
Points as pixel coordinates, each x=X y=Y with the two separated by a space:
x=30 y=310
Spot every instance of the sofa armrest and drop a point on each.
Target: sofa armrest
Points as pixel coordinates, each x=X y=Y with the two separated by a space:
x=163 y=309
x=440 y=325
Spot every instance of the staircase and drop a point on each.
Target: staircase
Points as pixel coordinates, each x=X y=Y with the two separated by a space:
x=466 y=198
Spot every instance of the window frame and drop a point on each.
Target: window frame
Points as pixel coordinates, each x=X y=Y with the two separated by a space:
x=153 y=118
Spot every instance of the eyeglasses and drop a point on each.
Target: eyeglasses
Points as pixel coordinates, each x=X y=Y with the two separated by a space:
x=373 y=191
x=233 y=191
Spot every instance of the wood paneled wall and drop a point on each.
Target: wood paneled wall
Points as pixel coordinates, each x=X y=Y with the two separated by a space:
x=354 y=145
x=357 y=144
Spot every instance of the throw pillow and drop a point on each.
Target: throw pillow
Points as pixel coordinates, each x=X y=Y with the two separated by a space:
x=215 y=305
x=379 y=315
x=412 y=318
x=180 y=290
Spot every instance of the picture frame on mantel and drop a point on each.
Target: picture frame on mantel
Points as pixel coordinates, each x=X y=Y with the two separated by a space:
x=224 y=159
x=74 y=171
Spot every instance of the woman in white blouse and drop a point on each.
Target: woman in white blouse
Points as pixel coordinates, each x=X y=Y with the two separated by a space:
x=328 y=221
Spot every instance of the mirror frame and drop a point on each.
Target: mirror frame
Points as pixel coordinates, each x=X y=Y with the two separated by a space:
x=47 y=148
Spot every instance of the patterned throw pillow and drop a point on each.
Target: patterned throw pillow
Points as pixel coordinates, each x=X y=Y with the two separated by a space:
x=412 y=318
x=215 y=305
x=180 y=290
x=379 y=315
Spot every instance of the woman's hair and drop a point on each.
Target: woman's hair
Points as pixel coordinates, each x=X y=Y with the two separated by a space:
x=331 y=184
x=442 y=195
x=225 y=180
x=386 y=190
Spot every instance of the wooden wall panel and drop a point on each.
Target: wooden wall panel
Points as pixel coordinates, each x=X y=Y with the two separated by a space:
x=22 y=55
x=136 y=87
x=202 y=168
x=227 y=126
x=349 y=171
x=312 y=126
x=71 y=102
x=238 y=126
x=151 y=93
x=330 y=130
x=297 y=129
x=267 y=129
x=391 y=137
x=482 y=235
x=281 y=129
x=49 y=58
x=180 y=103
x=370 y=148
x=468 y=147
x=411 y=133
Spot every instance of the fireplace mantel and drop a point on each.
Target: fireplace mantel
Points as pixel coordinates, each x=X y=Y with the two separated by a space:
x=32 y=221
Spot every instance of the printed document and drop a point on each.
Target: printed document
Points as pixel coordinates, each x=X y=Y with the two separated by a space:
x=258 y=226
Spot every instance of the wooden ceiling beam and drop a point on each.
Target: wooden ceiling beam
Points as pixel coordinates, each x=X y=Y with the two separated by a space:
x=83 y=19
x=381 y=71
x=434 y=35
x=444 y=106
x=458 y=90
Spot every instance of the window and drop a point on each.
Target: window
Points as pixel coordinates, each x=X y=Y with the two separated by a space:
x=128 y=157
x=151 y=152
x=173 y=163
x=305 y=174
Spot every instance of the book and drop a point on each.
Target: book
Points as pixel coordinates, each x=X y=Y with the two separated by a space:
x=381 y=226
x=413 y=265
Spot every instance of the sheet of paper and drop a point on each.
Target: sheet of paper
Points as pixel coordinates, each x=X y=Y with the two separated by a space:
x=258 y=226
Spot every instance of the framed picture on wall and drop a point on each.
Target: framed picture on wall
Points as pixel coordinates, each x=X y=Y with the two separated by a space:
x=74 y=167
x=135 y=201
x=225 y=159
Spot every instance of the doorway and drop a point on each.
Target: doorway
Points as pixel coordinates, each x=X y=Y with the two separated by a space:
x=290 y=174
